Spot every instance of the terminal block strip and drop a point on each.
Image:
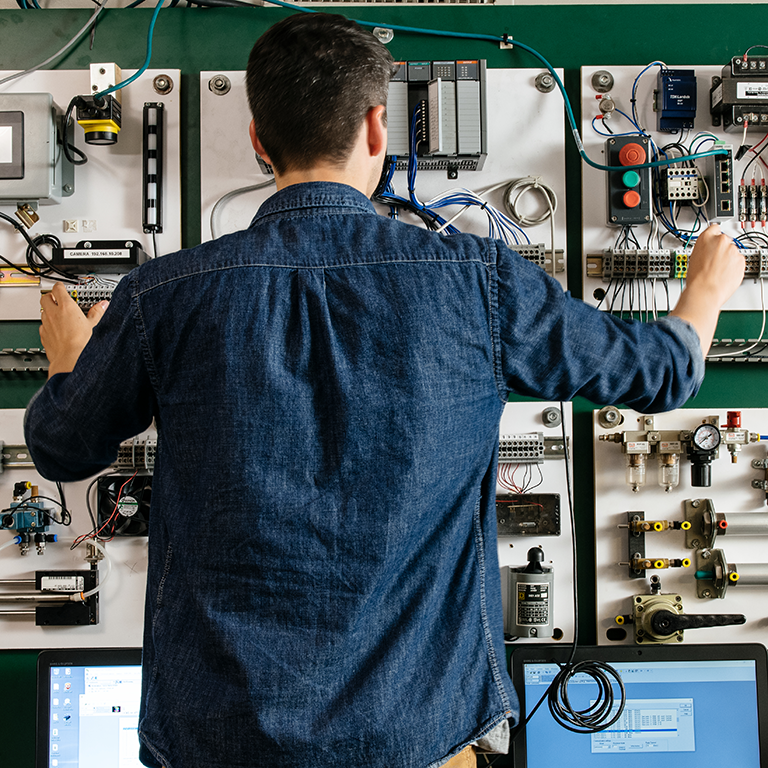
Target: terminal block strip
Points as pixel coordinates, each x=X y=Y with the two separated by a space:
x=30 y=360
x=720 y=349
x=662 y=263
x=89 y=294
x=530 y=448
x=136 y=454
x=541 y=256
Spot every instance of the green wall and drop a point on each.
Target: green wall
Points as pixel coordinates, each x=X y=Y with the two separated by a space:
x=568 y=36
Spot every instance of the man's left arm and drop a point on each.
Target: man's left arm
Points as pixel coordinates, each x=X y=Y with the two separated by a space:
x=98 y=391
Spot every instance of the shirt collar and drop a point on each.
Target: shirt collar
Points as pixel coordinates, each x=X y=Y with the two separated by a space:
x=315 y=194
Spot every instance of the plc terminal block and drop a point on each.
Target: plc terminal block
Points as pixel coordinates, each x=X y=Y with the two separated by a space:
x=454 y=133
x=86 y=295
x=530 y=448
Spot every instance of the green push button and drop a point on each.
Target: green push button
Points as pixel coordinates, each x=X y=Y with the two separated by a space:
x=631 y=179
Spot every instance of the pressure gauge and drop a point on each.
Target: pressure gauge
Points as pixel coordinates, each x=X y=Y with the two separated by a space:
x=706 y=437
x=703 y=448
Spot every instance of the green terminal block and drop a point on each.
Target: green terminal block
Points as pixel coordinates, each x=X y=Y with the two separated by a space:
x=681 y=265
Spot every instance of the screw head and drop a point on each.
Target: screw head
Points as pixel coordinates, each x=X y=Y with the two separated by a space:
x=162 y=84
x=383 y=34
x=219 y=84
x=544 y=82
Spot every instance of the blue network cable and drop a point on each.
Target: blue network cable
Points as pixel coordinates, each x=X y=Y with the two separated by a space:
x=144 y=66
x=661 y=65
x=507 y=40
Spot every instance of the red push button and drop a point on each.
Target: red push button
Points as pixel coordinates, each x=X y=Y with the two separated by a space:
x=631 y=198
x=632 y=154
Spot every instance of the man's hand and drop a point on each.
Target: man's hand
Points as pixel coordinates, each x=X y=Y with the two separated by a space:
x=65 y=330
x=715 y=271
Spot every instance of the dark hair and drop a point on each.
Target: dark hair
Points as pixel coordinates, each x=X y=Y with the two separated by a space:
x=311 y=79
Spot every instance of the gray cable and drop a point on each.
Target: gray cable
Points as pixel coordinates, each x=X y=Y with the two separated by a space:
x=229 y=196
x=62 y=50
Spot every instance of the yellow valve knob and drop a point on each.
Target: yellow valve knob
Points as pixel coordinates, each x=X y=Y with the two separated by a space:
x=619 y=620
x=734 y=577
x=658 y=564
x=686 y=563
x=685 y=526
x=658 y=526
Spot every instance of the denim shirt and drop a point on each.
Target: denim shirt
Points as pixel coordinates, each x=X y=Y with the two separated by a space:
x=323 y=585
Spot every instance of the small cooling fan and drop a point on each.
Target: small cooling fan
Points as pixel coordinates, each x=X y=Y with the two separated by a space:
x=123 y=505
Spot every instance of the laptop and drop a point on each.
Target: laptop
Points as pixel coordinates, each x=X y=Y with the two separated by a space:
x=88 y=708
x=687 y=706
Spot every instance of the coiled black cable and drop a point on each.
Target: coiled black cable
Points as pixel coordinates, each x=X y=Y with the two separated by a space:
x=593 y=718
x=37 y=262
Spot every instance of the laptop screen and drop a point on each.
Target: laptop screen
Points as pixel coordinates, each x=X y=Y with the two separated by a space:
x=88 y=709
x=681 y=707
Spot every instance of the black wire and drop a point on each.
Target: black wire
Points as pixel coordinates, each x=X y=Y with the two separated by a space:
x=749 y=237
x=68 y=148
x=591 y=719
x=66 y=516
x=752 y=160
x=45 y=267
x=36 y=270
x=18 y=268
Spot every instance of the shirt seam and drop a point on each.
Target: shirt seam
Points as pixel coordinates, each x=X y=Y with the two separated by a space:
x=259 y=265
x=492 y=660
x=493 y=319
x=311 y=210
x=141 y=332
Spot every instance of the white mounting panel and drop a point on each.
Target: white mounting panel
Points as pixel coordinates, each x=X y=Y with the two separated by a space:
x=107 y=198
x=731 y=491
x=122 y=600
x=121 y=603
x=596 y=234
x=520 y=418
x=525 y=137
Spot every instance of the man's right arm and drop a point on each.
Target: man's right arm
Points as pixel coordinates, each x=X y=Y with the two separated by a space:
x=715 y=271
x=554 y=347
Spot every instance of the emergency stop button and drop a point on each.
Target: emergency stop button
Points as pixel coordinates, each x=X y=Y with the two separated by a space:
x=632 y=154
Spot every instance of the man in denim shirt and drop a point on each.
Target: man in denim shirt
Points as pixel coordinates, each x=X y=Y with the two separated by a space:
x=323 y=584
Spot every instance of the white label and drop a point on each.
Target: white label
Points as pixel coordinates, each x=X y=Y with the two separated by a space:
x=670 y=446
x=62 y=583
x=121 y=253
x=752 y=91
x=6 y=144
x=735 y=437
x=638 y=447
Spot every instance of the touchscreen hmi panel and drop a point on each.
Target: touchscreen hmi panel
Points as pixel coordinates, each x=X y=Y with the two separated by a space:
x=91 y=716
x=683 y=712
